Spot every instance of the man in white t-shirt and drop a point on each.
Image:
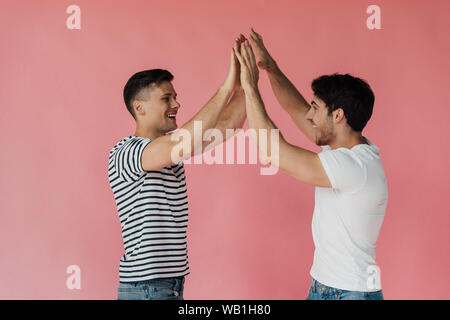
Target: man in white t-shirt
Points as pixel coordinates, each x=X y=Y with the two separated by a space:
x=351 y=189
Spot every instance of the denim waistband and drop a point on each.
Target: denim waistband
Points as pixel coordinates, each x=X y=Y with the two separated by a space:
x=173 y=281
x=316 y=286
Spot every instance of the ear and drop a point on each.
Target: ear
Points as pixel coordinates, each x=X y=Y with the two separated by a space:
x=138 y=107
x=338 y=115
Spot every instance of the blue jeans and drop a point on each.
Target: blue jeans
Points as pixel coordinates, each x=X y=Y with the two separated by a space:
x=154 y=289
x=319 y=291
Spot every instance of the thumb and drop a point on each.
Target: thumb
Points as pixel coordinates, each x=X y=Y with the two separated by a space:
x=233 y=61
x=261 y=65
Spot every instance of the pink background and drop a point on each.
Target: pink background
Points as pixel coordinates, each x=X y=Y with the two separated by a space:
x=249 y=236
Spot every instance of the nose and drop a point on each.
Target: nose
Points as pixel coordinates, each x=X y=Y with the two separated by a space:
x=176 y=105
x=309 y=115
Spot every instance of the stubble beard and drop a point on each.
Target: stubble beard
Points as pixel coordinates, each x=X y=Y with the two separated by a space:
x=326 y=135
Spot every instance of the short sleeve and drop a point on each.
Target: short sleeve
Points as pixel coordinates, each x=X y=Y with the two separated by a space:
x=344 y=169
x=128 y=158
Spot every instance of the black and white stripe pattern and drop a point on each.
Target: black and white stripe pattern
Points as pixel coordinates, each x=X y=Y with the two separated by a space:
x=153 y=212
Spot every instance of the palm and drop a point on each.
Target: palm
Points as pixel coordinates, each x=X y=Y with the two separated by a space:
x=262 y=55
x=249 y=70
x=265 y=60
x=238 y=65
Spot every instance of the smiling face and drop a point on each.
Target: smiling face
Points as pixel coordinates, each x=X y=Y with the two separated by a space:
x=322 y=123
x=157 y=107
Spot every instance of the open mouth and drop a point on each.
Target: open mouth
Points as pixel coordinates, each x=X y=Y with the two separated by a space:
x=171 y=115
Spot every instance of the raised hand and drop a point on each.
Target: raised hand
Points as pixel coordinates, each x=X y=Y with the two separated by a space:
x=266 y=62
x=238 y=41
x=249 y=70
x=233 y=79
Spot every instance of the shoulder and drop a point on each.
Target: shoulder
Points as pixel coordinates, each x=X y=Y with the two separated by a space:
x=341 y=157
x=119 y=145
x=344 y=167
x=127 y=142
x=357 y=155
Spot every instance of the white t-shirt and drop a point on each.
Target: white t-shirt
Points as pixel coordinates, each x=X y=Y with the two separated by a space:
x=347 y=217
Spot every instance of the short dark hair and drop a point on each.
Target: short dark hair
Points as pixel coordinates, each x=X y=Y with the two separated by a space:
x=140 y=81
x=352 y=94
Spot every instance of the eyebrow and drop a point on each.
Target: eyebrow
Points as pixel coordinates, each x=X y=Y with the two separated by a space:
x=168 y=94
x=314 y=103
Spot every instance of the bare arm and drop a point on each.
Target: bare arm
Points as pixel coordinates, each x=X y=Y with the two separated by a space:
x=292 y=101
x=232 y=117
x=286 y=93
x=299 y=163
x=168 y=149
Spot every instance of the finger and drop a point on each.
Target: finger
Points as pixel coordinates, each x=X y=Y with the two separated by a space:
x=241 y=39
x=242 y=65
x=254 y=40
x=252 y=32
x=255 y=34
x=258 y=44
x=233 y=69
x=233 y=58
x=251 y=55
x=237 y=45
x=253 y=66
x=251 y=61
x=245 y=53
x=238 y=55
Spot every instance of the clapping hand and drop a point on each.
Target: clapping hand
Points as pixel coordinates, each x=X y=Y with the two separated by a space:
x=249 y=73
x=265 y=60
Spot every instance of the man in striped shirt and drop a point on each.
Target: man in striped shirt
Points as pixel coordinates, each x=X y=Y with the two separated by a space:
x=150 y=189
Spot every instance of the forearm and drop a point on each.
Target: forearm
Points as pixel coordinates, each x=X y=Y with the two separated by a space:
x=210 y=113
x=256 y=112
x=291 y=159
x=234 y=114
x=232 y=117
x=208 y=117
x=259 y=119
x=286 y=93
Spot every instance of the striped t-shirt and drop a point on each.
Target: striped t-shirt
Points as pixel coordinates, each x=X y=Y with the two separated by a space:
x=153 y=213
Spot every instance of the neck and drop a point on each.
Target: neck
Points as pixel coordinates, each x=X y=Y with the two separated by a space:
x=147 y=132
x=348 y=140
